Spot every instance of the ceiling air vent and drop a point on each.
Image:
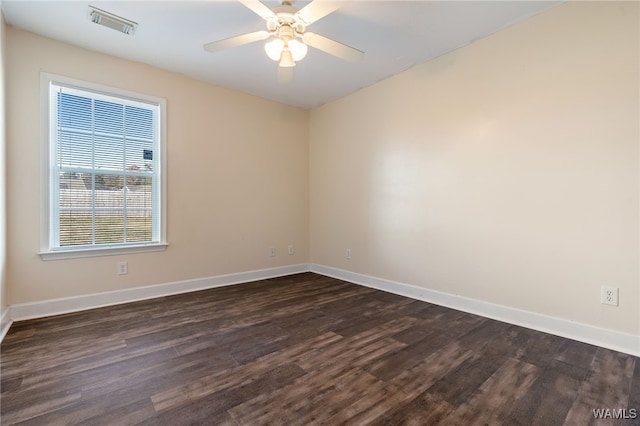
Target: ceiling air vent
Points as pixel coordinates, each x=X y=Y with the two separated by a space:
x=112 y=21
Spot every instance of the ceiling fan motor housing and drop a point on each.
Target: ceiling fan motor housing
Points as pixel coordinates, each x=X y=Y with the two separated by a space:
x=286 y=33
x=285 y=22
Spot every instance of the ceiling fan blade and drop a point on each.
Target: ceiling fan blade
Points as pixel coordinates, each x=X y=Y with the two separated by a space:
x=316 y=10
x=332 y=47
x=285 y=74
x=230 y=42
x=259 y=8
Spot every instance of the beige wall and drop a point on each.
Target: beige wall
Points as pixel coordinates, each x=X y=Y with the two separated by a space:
x=506 y=171
x=237 y=184
x=3 y=223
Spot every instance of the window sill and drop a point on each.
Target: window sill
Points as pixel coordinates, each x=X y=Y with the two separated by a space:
x=100 y=251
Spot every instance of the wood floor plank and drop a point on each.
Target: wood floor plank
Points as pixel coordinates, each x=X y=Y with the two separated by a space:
x=206 y=385
x=163 y=375
x=351 y=399
x=329 y=367
x=99 y=412
x=409 y=356
x=575 y=353
x=430 y=370
x=634 y=395
x=606 y=387
x=426 y=409
x=19 y=409
x=462 y=380
x=201 y=409
x=503 y=389
x=302 y=350
x=548 y=402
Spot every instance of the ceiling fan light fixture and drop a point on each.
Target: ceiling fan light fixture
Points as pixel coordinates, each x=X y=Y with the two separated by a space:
x=286 y=59
x=298 y=49
x=273 y=48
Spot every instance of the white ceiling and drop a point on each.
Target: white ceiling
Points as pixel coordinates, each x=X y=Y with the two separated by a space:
x=395 y=35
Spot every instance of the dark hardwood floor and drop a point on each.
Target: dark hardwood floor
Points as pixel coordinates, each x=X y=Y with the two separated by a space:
x=302 y=350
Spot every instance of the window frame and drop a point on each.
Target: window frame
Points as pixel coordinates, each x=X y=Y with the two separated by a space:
x=48 y=158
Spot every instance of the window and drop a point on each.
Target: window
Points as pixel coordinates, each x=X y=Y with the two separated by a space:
x=104 y=170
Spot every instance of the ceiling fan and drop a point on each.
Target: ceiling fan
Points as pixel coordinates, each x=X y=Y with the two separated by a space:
x=288 y=38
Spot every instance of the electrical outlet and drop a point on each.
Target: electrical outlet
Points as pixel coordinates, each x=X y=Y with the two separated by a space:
x=122 y=268
x=290 y=250
x=272 y=252
x=609 y=295
x=348 y=254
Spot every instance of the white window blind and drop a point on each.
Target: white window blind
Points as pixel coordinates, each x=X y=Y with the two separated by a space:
x=104 y=170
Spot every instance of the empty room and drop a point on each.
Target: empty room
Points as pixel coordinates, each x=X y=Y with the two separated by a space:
x=311 y=212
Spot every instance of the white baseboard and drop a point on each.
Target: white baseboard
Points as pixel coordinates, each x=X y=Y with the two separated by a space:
x=45 y=308
x=5 y=323
x=611 y=339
